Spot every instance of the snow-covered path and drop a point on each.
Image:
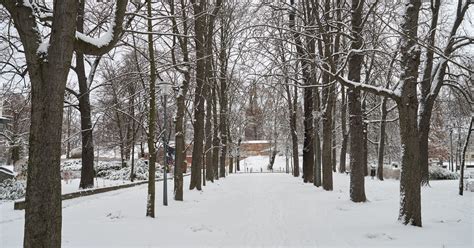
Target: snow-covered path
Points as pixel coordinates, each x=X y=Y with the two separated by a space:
x=263 y=210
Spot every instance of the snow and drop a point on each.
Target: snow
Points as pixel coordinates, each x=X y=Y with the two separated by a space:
x=256 y=210
x=73 y=185
x=260 y=163
x=103 y=40
x=43 y=47
x=99 y=42
x=255 y=142
x=9 y=168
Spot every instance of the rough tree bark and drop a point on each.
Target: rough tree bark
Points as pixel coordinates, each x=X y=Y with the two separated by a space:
x=328 y=98
x=208 y=150
x=381 y=147
x=334 y=144
x=48 y=76
x=365 y=140
x=150 y=205
x=48 y=70
x=344 y=133
x=200 y=32
x=317 y=177
x=87 y=169
x=180 y=153
x=223 y=61
x=308 y=149
x=215 y=134
x=425 y=86
x=203 y=29
x=410 y=198
x=292 y=102
x=463 y=158
x=357 y=188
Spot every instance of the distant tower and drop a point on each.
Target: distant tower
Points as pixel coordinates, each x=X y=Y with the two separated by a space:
x=253 y=114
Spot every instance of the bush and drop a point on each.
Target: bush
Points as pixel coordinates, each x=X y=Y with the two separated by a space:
x=140 y=171
x=11 y=189
x=439 y=173
x=107 y=166
x=71 y=165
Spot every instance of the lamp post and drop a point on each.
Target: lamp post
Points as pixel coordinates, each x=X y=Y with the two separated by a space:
x=165 y=91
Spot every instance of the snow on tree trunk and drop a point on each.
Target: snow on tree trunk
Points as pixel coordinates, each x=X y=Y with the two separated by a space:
x=410 y=178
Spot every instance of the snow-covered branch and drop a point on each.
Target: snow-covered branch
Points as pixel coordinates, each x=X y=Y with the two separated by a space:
x=102 y=44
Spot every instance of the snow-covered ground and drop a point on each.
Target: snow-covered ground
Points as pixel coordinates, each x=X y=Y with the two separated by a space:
x=259 y=210
x=70 y=186
x=260 y=164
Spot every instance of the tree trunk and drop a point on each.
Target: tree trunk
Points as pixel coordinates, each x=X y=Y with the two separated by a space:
x=131 y=108
x=200 y=32
x=317 y=181
x=410 y=198
x=317 y=167
x=68 y=146
x=326 y=150
x=180 y=153
x=150 y=206
x=87 y=170
x=215 y=134
x=356 y=125
x=203 y=29
x=463 y=158
x=223 y=111
x=364 y=138
x=328 y=100
x=308 y=149
x=208 y=149
x=326 y=153
x=308 y=146
x=180 y=149
x=381 y=147
x=238 y=153
x=48 y=78
x=425 y=85
x=294 y=133
x=345 y=135
x=334 y=144
x=292 y=102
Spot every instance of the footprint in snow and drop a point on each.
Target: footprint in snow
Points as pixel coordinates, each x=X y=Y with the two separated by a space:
x=448 y=221
x=200 y=228
x=113 y=216
x=379 y=236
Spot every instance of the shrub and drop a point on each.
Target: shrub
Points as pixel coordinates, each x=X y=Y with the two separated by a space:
x=439 y=173
x=71 y=165
x=11 y=189
x=140 y=171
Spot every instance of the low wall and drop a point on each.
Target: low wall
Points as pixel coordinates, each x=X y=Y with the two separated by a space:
x=20 y=205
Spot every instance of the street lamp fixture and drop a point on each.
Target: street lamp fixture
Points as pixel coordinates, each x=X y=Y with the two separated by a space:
x=165 y=89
